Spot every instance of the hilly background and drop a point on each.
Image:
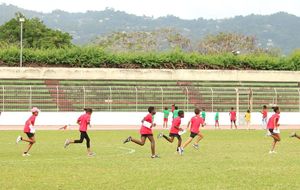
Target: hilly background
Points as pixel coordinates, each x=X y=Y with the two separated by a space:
x=278 y=30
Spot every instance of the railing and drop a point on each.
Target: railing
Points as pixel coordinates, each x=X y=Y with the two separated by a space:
x=138 y=98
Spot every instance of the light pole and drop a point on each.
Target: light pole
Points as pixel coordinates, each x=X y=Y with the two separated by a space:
x=22 y=20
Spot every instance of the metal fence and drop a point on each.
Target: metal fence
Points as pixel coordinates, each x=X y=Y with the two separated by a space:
x=138 y=98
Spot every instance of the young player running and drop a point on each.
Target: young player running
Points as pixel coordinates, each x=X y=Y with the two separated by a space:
x=264 y=113
x=166 y=117
x=295 y=135
x=232 y=115
x=174 y=132
x=194 y=127
x=273 y=128
x=217 y=124
x=83 y=122
x=29 y=130
x=146 y=132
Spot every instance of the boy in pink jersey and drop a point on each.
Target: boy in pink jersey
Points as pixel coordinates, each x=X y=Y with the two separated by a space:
x=194 y=126
x=232 y=115
x=174 y=131
x=29 y=130
x=83 y=122
x=146 y=132
x=272 y=126
x=264 y=113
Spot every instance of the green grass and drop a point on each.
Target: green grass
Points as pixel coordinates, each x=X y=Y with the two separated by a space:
x=225 y=160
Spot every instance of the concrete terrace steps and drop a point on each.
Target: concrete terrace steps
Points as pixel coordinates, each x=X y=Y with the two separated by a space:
x=114 y=95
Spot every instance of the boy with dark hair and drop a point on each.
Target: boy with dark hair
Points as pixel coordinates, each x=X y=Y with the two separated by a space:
x=174 y=131
x=29 y=130
x=194 y=127
x=273 y=128
x=232 y=115
x=166 y=117
x=146 y=131
x=83 y=121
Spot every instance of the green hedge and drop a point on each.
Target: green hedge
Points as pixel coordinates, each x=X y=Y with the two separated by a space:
x=98 y=58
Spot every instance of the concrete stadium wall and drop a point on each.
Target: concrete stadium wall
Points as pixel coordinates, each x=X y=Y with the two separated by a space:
x=127 y=118
x=147 y=74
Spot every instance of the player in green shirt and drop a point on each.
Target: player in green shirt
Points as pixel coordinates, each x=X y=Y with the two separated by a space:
x=203 y=115
x=175 y=113
x=166 y=117
x=217 y=125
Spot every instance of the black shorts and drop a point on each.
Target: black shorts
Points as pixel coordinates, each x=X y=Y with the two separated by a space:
x=175 y=135
x=29 y=135
x=271 y=131
x=146 y=135
x=192 y=135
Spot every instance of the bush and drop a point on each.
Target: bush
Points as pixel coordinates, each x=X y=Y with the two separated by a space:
x=94 y=57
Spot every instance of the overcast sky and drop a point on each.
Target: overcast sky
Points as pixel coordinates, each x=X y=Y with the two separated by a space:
x=186 y=9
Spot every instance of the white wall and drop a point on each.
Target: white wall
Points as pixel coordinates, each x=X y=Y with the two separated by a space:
x=127 y=118
x=146 y=74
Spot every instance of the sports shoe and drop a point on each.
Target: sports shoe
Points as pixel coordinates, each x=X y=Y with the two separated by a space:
x=19 y=138
x=127 y=140
x=26 y=154
x=160 y=135
x=196 y=146
x=293 y=134
x=91 y=154
x=180 y=151
x=67 y=143
x=154 y=156
x=272 y=152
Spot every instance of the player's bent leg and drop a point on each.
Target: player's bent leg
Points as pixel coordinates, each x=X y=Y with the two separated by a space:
x=170 y=139
x=179 y=142
x=187 y=142
x=139 y=142
x=31 y=142
x=199 y=138
x=82 y=136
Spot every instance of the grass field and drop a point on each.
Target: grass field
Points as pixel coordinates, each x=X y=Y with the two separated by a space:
x=226 y=160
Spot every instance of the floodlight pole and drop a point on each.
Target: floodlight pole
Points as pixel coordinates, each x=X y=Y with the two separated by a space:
x=21 y=41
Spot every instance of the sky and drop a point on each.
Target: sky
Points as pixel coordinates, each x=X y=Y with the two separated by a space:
x=185 y=9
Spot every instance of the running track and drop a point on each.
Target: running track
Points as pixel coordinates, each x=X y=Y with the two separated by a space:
x=128 y=127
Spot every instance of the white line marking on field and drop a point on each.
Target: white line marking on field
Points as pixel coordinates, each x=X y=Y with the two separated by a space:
x=130 y=150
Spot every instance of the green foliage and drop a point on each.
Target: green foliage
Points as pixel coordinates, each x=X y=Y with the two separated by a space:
x=35 y=34
x=95 y=57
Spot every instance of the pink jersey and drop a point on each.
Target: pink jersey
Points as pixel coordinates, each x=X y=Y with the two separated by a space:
x=265 y=113
x=175 y=123
x=30 y=121
x=83 y=121
x=145 y=130
x=196 y=121
x=272 y=121
x=232 y=115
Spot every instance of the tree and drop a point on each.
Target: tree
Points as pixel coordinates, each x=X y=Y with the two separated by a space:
x=228 y=42
x=35 y=34
x=156 y=40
